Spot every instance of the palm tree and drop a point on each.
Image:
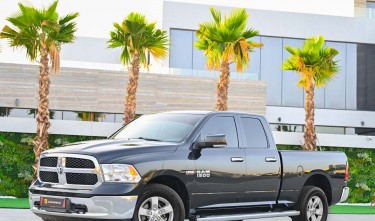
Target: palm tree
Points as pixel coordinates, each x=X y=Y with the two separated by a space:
x=41 y=32
x=226 y=41
x=137 y=38
x=314 y=63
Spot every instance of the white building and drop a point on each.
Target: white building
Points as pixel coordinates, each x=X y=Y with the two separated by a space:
x=345 y=114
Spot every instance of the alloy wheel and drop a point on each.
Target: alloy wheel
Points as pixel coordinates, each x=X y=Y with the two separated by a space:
x=315 y=209
x=155 y=209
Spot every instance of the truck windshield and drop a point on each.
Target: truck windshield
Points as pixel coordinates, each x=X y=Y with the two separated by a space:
x=160 y=127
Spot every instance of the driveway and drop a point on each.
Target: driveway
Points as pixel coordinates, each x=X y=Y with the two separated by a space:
x=25 y=214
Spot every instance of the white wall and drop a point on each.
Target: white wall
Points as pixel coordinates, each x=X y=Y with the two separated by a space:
x=322 y=7
x=330 y=140
x=323 y=117
x=67 y=127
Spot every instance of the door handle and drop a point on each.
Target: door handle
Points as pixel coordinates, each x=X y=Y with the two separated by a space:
x=271 y=159
x=237 y=159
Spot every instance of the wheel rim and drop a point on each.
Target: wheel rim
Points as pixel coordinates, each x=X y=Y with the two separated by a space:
x=155 y=209
x=315 y=209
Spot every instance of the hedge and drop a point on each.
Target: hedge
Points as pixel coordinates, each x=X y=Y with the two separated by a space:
x=17 y=157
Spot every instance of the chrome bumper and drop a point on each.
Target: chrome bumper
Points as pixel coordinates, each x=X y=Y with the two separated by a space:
x=345 y=194
x=98 y=207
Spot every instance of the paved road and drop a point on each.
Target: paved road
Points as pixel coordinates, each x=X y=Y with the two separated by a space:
x=26 y=215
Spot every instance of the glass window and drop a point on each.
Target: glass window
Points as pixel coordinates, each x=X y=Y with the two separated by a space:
x=3 y=111
x=55 y=115
x=119 y=118
x=160 y=127
x=70 y=115
x=253 y=133
x=199 y=59
x=181 y=49
x=365 y=77
x=287 y=127
x=271 y=59
x=365 y=131
x=222 y=125
x=292 y=95
x=329 y=130
x=24 y=113
x=351 y=76
x=335 y=90
x=106 y=117
x=252 y=72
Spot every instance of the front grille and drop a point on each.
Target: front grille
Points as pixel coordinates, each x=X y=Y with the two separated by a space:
x=81 y=178
x=48 y=162
x=50 y=177
x=72 y=171
x=79 y=163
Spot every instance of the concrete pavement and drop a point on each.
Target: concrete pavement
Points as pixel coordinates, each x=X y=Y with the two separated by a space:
x=27 y=215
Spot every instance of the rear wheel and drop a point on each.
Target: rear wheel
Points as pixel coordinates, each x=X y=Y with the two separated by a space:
x=159 y=203
x=312 y=204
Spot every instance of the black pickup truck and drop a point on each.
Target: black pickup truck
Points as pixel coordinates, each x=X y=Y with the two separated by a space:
x=188 y=165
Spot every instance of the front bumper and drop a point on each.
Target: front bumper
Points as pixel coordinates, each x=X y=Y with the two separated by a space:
x=345 y=194
x=98 y=207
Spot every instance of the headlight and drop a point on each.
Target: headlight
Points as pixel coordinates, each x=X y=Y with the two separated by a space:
x=120 y=173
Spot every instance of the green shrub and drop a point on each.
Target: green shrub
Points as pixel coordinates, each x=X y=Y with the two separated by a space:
x=17 y=158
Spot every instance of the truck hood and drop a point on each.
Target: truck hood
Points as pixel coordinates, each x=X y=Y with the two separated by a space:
x=109 y=151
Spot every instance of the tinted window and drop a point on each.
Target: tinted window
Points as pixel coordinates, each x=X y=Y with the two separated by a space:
x=253 y=133
x=222 y=125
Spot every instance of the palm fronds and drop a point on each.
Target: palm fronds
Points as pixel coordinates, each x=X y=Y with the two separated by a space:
x=34 y=28
x=314 y=60
x=136 y=35
x=227 y=39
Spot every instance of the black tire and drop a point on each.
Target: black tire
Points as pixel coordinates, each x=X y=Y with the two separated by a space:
x=311 y=196
x=164 y=195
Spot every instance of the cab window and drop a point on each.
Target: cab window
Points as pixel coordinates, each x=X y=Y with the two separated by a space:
x=222 y=125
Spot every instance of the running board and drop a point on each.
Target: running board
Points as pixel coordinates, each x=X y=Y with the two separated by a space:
x=249 y=216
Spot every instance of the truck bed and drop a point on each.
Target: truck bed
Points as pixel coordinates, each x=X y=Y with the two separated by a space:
x=299 y=166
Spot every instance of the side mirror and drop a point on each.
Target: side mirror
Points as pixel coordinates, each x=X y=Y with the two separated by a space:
x=215 y=140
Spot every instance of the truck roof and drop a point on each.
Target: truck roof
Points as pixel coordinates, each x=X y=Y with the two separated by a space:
x=200 y=112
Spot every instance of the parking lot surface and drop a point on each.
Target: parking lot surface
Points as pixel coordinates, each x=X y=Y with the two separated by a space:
x=27 y=215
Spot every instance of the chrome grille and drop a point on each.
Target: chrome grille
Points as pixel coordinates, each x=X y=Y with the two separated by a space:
x=79 y=163
x=81 y=178
x=48 y=162
x=72 y=171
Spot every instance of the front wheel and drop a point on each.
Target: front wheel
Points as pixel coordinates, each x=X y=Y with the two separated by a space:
x=159 y=203
x=312 y=204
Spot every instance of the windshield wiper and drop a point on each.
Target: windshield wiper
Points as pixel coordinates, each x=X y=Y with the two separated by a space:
x=144 y=138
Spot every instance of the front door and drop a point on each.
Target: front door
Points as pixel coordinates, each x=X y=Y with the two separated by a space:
x=220 y=177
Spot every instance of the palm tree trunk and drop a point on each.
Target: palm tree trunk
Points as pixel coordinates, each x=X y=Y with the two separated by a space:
x=222 y=87
x=41 y=139
x=130 y=99
x=310 y=136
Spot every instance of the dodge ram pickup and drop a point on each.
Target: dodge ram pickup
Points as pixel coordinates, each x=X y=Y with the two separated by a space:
x=188 y=165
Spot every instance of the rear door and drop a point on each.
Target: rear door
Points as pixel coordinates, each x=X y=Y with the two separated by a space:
x=221 y=171
x=263 y=162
